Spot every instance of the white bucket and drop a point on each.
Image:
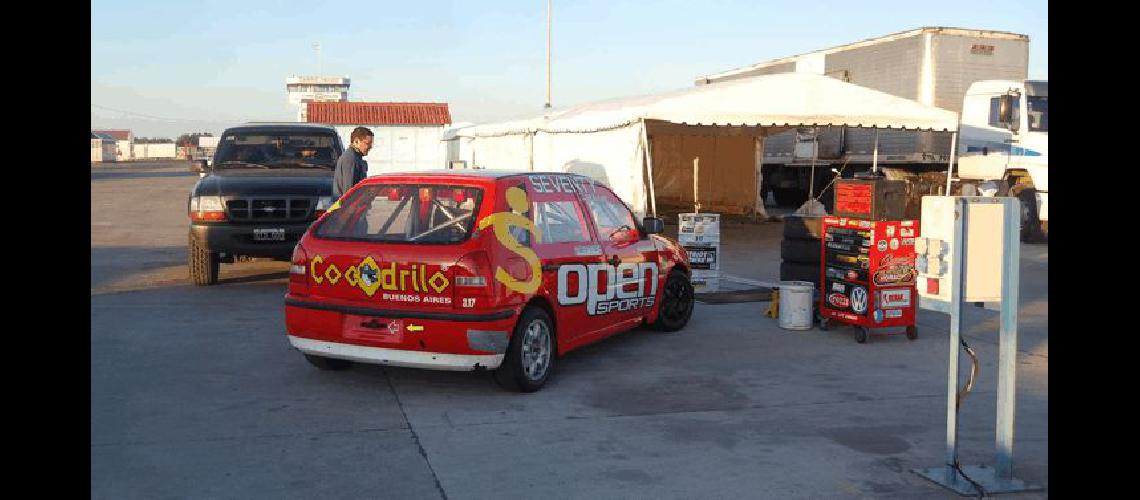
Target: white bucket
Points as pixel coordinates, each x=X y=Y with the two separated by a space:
x=796 y=305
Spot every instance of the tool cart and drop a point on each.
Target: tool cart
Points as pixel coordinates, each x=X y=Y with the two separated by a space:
x=868 y=261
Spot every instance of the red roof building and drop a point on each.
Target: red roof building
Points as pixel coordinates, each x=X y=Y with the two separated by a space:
x=378 y=113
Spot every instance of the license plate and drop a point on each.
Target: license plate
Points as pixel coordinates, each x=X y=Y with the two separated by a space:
x=268 y=235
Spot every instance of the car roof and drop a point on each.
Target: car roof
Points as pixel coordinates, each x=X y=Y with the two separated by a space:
x=474 y=173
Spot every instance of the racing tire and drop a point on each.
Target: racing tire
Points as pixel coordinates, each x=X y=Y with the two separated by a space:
x=328 y=364
x=531 y=353
x=203 y=264
x=799 y=227
x=677 y=301
x=801 y=251
x=1031 y=231
x=797 y=271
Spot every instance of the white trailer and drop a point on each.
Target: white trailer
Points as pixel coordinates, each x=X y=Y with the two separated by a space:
x=932 y=65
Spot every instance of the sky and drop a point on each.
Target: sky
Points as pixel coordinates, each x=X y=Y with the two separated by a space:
x=163 y=69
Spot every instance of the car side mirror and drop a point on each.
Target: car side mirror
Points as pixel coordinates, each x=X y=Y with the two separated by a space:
x=653 y=225
x=199 y=166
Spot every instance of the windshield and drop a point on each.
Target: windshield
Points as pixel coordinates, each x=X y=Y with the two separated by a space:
x=404 y=213
x=302 y=149
x=1038 y=113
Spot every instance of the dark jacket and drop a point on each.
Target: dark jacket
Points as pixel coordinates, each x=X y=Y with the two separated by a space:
x=350 y=169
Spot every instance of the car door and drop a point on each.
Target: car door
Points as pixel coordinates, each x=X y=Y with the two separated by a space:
x=570 y=254
x=632 y=270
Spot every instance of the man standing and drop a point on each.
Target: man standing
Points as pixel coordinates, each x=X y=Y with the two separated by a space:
x=351 y=167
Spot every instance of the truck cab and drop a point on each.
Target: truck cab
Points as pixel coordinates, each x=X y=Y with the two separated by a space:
x=1005 y=137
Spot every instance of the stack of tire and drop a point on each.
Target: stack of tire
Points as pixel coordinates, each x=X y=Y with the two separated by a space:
x=800 y=251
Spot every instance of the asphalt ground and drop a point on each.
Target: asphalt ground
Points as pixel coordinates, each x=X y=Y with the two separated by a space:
x=196 y=393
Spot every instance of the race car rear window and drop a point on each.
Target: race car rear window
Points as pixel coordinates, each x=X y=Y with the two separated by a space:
x=405 y=213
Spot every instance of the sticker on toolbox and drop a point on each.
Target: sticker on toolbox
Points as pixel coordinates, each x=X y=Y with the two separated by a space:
x=894 y=243
x=906 y=232
x=895 y=297
x=838 y=300
x=882 y=245
x=895 y=270
x=893 y=313
x=859 y=300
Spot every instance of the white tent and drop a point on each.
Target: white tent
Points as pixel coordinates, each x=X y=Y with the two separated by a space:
x=721 y=123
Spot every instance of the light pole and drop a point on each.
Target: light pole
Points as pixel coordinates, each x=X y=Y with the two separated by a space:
x=549 y=8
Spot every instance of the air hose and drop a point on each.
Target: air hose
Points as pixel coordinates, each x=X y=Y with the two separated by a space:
x=958 y=407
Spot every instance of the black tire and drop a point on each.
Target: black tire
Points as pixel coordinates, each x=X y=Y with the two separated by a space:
x=513 y=374
x=798 y=227
x=801 y=251
x=861 y=334
x=328 y=364
x=1030 y=223
x=795 y=271
x=203 y=263
x=912 y=332
x=676 y=303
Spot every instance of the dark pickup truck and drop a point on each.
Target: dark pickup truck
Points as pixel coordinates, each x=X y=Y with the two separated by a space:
x=268 y=182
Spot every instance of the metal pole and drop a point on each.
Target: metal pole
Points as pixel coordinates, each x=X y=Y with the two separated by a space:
x=953 y=156
x=696 y=177
x=649 y=166
x=814 y=156
x=1007 y=348
x=875 y=154
x=549 y=14
x=957 y=255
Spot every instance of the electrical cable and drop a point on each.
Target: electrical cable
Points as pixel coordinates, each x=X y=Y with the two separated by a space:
x=974 y=369
x=838 y=175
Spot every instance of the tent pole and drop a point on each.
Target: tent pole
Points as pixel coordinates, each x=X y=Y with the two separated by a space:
x=696 y=177
x=649 y=164
x=758 y=159
x=814 y=155
x=530 y=151
x=875 y=154
x=953 y=156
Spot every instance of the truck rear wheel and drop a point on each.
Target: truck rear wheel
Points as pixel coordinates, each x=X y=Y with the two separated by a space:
x=1031 y=225
x=203 y=263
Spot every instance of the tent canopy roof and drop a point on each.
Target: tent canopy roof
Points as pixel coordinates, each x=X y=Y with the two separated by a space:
x=785 y=99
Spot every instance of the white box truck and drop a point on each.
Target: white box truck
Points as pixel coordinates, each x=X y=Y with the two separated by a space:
x=935 y=66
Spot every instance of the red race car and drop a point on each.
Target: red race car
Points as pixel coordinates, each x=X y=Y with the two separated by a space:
x=472 y=270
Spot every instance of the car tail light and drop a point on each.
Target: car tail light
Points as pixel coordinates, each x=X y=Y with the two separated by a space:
x=206 y=208
x=472 y=278
x=299 y=270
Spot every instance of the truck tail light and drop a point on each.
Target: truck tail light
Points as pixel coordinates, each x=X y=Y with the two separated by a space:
x=472 y=278
x=299 y=270
x=323 y=205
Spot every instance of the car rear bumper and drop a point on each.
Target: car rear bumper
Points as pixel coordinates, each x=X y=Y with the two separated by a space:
x=397 y=357
x=238 y=239
x=441 y=339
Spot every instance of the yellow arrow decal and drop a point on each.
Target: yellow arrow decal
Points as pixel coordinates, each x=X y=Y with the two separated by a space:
x=415 y=328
